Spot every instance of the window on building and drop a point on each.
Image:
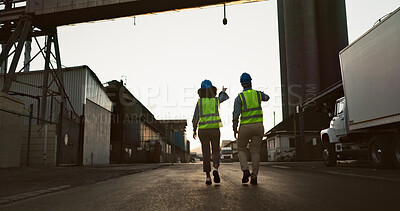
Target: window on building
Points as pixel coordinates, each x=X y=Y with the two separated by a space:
x=271 y=144
x=292 y=142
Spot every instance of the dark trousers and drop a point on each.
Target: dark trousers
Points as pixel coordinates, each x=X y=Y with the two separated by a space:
x=208 y=136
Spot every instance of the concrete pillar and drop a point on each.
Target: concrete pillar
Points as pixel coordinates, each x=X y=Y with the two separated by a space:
x=282 y=54
x=332 y=38
x=301 y=49
x=311 y=34
x=10 y=130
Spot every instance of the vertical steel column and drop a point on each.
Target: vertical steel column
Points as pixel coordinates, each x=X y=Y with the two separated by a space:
x=3 y=67
x=59 y=66
x=28 y=50
x=299 y=149
x=81 y=136
x=6 y=28
x=14 y=37
x=60 y=133
x=45 y=78
x=27 y=28
x=29 y=134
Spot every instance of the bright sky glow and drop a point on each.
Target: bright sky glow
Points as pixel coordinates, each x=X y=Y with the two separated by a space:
x=165 y=57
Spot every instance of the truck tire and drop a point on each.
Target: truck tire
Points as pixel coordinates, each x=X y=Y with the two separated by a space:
x=329 y=155
x=379 y=153
x=396 y=151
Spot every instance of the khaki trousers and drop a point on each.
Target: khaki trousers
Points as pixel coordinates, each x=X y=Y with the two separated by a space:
x=253 y=132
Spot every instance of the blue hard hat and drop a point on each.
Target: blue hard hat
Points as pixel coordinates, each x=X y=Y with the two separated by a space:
x=206 y=84
x=245 y=78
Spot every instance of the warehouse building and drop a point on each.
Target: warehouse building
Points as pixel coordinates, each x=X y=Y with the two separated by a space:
x=83 y=134
x=136 y=136
x=176 y=135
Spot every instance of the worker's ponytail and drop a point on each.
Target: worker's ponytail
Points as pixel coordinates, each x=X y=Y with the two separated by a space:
x=207 y=93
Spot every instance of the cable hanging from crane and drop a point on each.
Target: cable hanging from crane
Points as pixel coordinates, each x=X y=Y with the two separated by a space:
x=225 y=21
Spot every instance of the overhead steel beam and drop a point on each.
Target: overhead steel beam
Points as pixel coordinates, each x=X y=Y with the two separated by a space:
x=51 y=13
x=12 y=14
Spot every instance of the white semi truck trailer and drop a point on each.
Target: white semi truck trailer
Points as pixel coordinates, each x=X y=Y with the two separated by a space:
x=366 y=121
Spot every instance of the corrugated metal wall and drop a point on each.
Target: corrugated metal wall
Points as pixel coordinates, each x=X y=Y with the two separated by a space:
x=96 y=144
x=95 y=91
x=34 y=89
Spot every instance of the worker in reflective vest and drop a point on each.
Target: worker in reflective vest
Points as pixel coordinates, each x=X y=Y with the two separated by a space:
x=248 y=107
x=206 y=117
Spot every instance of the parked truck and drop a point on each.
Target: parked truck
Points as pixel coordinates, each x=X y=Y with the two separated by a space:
x=226 y=153
x=366 y=121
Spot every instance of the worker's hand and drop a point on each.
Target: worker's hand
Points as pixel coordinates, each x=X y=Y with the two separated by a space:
x=194 y=135
x=235 y=134
x=224 y=89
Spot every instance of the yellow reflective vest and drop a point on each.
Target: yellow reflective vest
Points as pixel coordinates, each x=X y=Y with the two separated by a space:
x=251 y=107
x=209 y=113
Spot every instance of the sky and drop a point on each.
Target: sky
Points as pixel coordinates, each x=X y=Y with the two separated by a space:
x=165 y=57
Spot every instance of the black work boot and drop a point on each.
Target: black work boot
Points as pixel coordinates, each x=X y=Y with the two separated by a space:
x=216 y=177
x=208 y=180
x=246 y=175
x=253 y=181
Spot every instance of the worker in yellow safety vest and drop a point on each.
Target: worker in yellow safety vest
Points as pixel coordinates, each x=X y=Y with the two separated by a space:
x=206 y=117
x=248 y=107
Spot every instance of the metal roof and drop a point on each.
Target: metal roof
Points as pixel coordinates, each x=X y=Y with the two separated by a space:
x=336 y=87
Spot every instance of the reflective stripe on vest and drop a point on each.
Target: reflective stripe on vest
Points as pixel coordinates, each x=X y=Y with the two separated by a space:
x=251 y=107
x=209 y=113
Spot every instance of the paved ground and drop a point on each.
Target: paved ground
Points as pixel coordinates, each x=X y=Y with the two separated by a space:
x=282 y=186
x=21 y=183
x=359 y=169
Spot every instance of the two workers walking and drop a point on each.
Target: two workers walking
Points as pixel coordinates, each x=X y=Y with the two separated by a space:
x=247 y=106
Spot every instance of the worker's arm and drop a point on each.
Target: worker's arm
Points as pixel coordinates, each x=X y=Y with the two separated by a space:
x=223 y=96
x=264 y=97
x=195 y=120
x=236 y=113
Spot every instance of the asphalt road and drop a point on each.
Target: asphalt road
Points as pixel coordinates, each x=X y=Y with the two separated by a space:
x=281 y=187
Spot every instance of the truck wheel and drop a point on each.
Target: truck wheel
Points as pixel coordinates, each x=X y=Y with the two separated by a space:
x=379 y=154
x=396 y=151
x=329 y=155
